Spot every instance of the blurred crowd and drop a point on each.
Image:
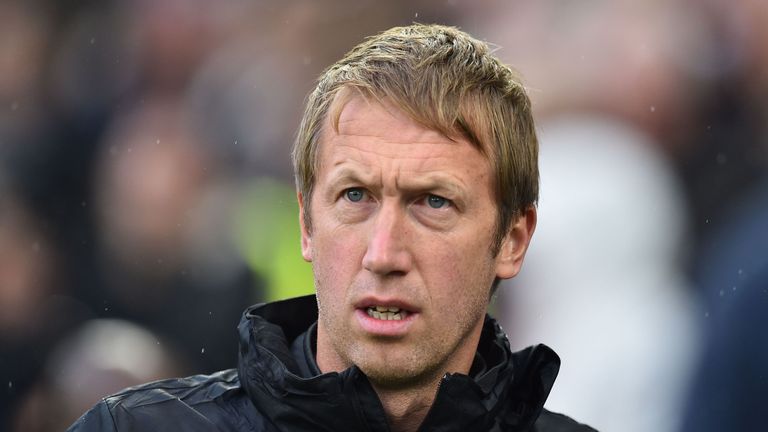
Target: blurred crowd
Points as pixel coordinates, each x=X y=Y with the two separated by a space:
x=146 y=193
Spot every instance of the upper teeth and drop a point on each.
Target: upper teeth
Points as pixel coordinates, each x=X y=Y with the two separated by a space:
x=386 y=312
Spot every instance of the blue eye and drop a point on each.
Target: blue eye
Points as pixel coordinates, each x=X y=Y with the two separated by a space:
x=354 y=194
x=437 y=202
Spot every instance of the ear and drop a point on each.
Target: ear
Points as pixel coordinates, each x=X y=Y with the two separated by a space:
x=515 y=244
x=306 y=240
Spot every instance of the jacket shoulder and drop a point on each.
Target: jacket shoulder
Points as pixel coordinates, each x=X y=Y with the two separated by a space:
x=200 y=402
x=553 y=422
x=193 y=390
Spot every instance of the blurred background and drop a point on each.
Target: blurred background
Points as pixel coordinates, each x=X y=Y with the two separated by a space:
x=146 y=194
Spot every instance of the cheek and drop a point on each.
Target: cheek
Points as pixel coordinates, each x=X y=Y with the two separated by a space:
x=463 y=267
x=337 y=258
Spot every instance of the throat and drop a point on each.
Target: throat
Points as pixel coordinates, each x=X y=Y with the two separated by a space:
x=407 y=409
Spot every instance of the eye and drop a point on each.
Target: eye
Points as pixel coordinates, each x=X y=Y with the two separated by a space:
x=354 y=194
x=437 y=202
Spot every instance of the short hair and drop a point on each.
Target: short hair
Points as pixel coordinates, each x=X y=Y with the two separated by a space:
x=446 y=80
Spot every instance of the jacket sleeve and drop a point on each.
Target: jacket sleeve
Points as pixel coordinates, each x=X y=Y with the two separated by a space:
x=97 y=419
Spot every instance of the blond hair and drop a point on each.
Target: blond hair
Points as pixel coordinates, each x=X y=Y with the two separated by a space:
x=445 y=80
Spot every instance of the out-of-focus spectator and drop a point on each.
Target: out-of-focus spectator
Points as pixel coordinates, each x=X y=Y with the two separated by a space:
x=25 y=282
x=23 y=39
x=151 y=171
x=34 y=308
x=730 y=391
x=602 y=283
x=727 y=151
x=166 y=259
x=26 y=268
x=100 y=358
x=726 y=173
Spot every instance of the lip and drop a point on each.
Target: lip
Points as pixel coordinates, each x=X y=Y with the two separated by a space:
x=385 y=328
x=379 y=301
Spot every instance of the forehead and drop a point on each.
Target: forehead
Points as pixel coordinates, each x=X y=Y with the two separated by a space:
x=381 y=127
x=362 y=116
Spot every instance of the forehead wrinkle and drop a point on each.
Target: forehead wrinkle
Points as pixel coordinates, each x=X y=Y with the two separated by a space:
x=372 y=147
x=407 y=140
x=343 y=171
x=438 y=139
x=426 y=138
x=357 y=121
x=408 y=132
x=422 y=162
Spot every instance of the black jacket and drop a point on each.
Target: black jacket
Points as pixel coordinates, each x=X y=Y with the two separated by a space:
x=277 y=387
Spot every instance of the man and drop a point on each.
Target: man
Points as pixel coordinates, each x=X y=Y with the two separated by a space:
x=417 y=177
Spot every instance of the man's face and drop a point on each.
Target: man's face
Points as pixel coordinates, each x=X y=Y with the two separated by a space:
x=400 y=242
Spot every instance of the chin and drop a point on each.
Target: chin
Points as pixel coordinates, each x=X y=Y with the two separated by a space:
x=399 y=373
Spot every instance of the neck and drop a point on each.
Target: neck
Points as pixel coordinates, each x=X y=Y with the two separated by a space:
x=406 y=409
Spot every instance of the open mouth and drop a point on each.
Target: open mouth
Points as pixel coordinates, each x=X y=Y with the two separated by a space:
x=386 y=313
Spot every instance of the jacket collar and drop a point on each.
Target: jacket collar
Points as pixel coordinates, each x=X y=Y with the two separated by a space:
x=508 y=394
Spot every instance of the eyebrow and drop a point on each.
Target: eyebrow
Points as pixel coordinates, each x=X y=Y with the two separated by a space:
x=435 y=181
x=349 y=175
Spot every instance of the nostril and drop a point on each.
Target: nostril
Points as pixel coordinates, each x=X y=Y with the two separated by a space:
x=390 y=263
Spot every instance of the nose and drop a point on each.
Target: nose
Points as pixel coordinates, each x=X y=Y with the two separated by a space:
x=387 y=252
